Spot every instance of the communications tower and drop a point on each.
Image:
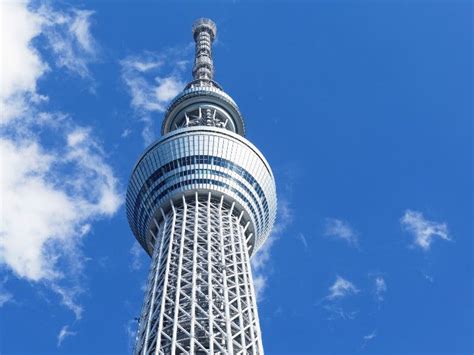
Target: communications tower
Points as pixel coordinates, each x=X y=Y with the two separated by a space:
x=201 y=201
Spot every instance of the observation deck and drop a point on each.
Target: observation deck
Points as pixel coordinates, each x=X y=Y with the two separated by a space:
x=202 y=159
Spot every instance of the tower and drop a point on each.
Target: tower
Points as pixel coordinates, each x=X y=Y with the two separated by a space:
x=201 y=200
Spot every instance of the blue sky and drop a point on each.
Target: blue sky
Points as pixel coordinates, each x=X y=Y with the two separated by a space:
x=363 y=109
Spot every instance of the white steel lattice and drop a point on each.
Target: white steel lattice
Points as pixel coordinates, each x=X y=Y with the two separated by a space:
x=200 y=297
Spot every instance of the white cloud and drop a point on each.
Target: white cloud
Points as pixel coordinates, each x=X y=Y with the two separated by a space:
x=21 y=68
x=137 y=253
x=341 y=288
x=380 y=288
x=153 y=80
x=423 y=230
x=63 y=334
x=260 y=259
x=68 y=36
x=49 y=199
x=340 y=229
x=50 y=193
x=168 y=88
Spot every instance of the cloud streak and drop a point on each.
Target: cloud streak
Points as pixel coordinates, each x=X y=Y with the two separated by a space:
x=303 y=240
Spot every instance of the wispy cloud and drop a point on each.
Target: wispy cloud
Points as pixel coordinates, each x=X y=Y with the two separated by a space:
x=137 y=253
x=69 y=294
x=260 y=259
x=70 y=39
x=428 y=277
x=63 y=334
x=333 y=302
x=126 y=132
x=367 y=338
x=61 y=186
x=341 y=288
x=337 y=312
x=380 y=287
x=303 y=240
x=5 y=297
x=131 y=329
x=153 y=80
x=339 y=229
x=423 y=231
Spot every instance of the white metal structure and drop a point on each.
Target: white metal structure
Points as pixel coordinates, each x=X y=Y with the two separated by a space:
x=201 y=201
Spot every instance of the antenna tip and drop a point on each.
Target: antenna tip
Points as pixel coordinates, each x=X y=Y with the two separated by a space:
x=204 y=24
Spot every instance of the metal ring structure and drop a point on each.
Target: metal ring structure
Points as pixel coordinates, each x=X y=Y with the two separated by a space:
x=202 y=159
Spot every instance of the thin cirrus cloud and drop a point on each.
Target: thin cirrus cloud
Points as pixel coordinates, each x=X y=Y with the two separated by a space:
x=332 y=302
x=338 y=229
x=63 y=334
x=137 y=253
x=5 y=296
x=380 y=287
x=153 y=80
x=341 y=288
x=70 y=172
x=69 y=38
x=303 y=241
x=260 y=259
x=424 y=231
x=367 y=338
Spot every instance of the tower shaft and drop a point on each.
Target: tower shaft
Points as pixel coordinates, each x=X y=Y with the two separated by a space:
x=200 y=296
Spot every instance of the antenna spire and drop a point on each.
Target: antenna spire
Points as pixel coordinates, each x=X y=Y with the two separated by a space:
x=204 y=32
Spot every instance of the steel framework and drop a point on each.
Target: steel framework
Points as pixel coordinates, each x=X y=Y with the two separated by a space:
x=200 y=296
x=201 y=200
